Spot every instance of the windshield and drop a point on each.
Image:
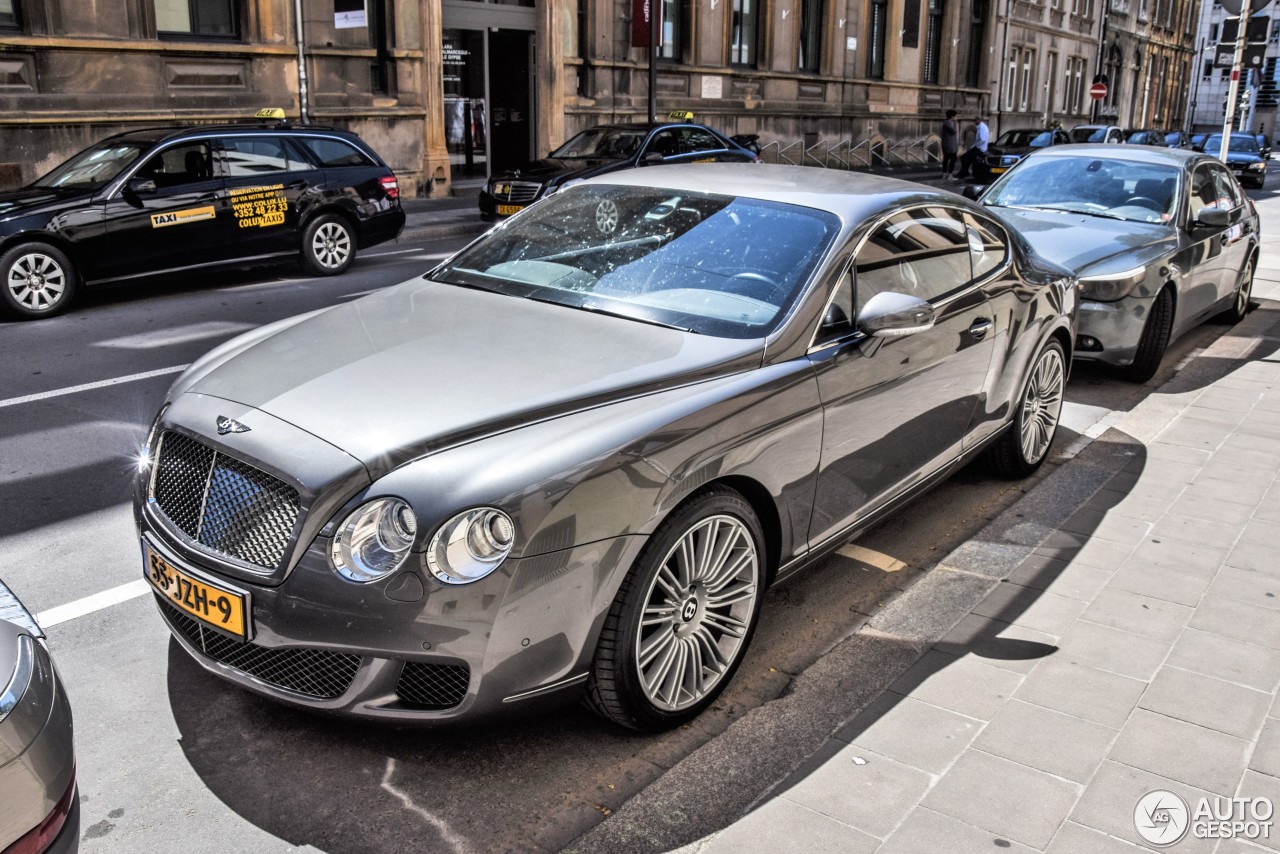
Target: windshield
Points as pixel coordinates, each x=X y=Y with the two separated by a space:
x=1025 y=138
x=1119 y=189
x=712 y=264
x=1239 y=142
x=1087 y=134
x=602 y=142
x=93 y=167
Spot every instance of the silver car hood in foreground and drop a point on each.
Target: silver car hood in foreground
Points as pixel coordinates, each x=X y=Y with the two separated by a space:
x=1079 y=241
x=424 y=365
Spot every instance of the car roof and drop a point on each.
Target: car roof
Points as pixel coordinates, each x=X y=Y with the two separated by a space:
x=1134 y=153
x=646 y=126
x=853 y=196
x=170 y=132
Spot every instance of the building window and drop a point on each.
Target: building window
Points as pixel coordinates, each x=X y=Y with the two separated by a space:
x=1011 y=78
x=219 y=19
x=977 y=38
x=933 y=43
x=1028 y=81
x=879 y=37
x=1207 y=73
x=746 y=17
x=1213 y=33
x=1143 y=8
x=674 y=24
x=1161 y=85
x=810 y=58
x=9 y=15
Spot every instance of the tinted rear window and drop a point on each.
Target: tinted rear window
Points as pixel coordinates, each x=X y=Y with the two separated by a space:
x=333 y=152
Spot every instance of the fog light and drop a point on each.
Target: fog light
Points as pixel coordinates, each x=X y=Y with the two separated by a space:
x=1088 y=342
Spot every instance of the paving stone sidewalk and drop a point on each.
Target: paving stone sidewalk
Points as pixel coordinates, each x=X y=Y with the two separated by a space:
x=1124 y=637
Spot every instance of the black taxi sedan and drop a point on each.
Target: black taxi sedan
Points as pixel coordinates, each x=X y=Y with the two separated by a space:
x=610 y=148
x=173 y=199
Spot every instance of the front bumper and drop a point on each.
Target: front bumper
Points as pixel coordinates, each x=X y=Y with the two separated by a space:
x=406 y=649
x=1116 y=326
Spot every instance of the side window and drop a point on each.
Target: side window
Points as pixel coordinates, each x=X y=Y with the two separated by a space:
x=333 y=153
x=259 y=155
x=1204 y=192
x=1228 y=190
x=697 y=139
x=988 y=246
x=838 y=319
x=178 y=165
x=664 y=143
x=923 y=252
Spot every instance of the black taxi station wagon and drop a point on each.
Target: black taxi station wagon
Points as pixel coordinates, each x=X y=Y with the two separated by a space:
x=167 y=199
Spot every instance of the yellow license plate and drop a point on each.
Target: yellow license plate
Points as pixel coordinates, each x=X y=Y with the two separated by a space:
x=212 y=605
x=997 y=170
x=508 y=210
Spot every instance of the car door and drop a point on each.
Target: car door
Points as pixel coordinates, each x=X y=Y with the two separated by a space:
x=266 y=182
x=896 y=410
x=166 y=214
x=1235 y=240
x=1203 y=280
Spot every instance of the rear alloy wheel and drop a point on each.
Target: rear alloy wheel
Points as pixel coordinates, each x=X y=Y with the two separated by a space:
x=39 y=280
x=1244 y=292
x=683 y=616
x=328 y=245
x=1154 y=340
x=1025 y=445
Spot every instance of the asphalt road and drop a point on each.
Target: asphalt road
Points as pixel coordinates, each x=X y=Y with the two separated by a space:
x=170 y=757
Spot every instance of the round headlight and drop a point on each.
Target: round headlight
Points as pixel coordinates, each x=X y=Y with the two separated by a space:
x=470 y=545
x=373 y=540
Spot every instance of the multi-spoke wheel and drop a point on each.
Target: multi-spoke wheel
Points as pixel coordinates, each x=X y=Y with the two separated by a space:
x=1023 y=447
x=328 y=245
x=39 y=280
x=683 y=616
x=1244 y=292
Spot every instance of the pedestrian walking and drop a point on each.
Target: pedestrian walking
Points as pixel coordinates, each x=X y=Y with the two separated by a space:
x=950 y=143
x=977 y=152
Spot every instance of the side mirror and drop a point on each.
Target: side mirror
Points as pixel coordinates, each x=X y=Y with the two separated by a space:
x=971 y=191
x=894 y=315
x=1213 y=218
x=141 y=186
x=652 y=158
x=835 y=319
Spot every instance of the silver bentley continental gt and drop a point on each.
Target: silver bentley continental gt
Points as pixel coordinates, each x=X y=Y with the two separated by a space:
x=570 y=460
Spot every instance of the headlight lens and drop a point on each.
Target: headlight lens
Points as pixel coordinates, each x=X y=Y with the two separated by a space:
x=374 y=540
x=145 y=456
x=470 y=545
x=1258 y=167
x=1109 y=287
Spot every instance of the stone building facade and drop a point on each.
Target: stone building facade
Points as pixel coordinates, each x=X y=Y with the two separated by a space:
x=446 y=89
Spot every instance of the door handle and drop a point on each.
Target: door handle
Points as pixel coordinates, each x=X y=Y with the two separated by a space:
x=980 y=327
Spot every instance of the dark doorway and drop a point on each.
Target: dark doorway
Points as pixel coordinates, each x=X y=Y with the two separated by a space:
x=511 y=98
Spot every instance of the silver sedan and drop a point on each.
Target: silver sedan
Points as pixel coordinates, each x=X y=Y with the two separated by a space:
x=570 y=459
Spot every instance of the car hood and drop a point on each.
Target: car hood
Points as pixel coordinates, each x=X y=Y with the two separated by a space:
x=1080 y=242
x=29 y=200
x=1014 y=149
x=424 y=366
x=550 y=168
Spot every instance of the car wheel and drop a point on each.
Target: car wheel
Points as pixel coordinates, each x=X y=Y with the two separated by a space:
x=39 y=280
x=328 y=245
x=1022 y=448
x=1155 y=337
x=1244 y=292
x=683 y=617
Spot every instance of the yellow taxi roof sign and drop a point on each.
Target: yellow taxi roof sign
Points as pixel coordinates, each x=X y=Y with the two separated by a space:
x=270 y=113
x=680 y=115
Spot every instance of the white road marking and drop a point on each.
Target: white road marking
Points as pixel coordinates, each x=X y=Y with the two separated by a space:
x=451 y=839
x=879 y=560
x=89 y=604
x=179 y=335
x=391 y=252
x=75 y=389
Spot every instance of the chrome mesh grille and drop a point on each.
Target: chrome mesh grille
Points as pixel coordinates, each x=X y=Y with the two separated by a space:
x=222 y=503
x=313 y=672
x=519 y=192
x=433 y=686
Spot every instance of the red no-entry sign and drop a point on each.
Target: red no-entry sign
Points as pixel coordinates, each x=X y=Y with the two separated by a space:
x=1098 y=91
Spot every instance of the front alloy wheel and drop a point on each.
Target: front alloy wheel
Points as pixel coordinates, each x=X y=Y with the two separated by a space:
x=683 y=617
x=1023 y=447
x=39 y=280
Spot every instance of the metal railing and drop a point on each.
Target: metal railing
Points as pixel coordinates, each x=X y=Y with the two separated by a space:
x=870 y=154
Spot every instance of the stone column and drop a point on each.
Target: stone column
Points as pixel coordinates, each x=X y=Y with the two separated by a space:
x=549 y=62
x=436 y=177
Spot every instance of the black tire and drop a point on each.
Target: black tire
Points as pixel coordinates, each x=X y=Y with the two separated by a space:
x=1024 y=446
x=36 y=280
x=328 y=245
x=1244 y=293
x=1154 y=340
x=616 y=688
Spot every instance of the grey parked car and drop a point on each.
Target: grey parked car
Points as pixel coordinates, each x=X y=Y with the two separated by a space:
x=39 y=803
x=572 y=458
x=1160 y=238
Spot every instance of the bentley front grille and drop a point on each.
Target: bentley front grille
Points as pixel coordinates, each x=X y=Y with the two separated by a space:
x=313 y=672
x=433 y=686
x=227 y=506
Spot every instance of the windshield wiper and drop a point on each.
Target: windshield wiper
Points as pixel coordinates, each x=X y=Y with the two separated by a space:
x=595 y=309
